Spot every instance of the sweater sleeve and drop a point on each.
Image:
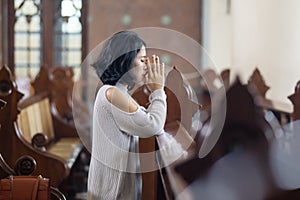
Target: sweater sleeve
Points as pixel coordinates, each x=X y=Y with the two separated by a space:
x=144 y=122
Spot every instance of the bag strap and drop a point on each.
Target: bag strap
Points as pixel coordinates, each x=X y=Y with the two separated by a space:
x=36 y=188
x=11 y=180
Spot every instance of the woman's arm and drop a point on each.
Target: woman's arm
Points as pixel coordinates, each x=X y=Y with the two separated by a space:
x=134 y=119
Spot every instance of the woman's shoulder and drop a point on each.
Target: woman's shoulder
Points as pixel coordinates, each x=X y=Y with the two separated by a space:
x=112 y=95
x=101 y=93
x=102 y=90
x=120 y=99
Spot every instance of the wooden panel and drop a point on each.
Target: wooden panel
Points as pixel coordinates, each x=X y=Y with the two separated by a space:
x=46 y=118
x=24 y=125
x=36 y=118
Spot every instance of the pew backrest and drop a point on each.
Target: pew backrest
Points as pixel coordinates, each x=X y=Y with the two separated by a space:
x=35 y=117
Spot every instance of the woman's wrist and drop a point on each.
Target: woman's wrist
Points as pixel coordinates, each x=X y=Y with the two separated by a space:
x=157 y=94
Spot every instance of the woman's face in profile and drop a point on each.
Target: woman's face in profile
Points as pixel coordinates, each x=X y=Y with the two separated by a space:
x=140 y=69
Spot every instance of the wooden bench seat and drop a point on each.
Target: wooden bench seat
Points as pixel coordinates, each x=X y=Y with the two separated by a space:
x=68 y=149
x=35 y=117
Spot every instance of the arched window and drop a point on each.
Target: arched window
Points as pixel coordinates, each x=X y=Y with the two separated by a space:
x=45 y=32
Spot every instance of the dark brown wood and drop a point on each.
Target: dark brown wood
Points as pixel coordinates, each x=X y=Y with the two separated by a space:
x=295 y=99
x=146 y=145
x=47 y=32
x=285 y=194
x=225 y=74
x=258 y=88
x=180 y=110
x=8 y=21
x=244 y=128
x=57 y=83
x=61 y=88
x=2 y=104
x=25 y=166
x=56 y=194
x=257 y=83
x=5 y=167
x=84 y=46
x=13 y=145
x=179 y=106
x=84 y=31
x=57 y=134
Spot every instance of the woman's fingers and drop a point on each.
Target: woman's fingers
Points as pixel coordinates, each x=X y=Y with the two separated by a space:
x=158 y=67
x=154 y=64
x=155 y=76
x=148 y=64
x=162 y=69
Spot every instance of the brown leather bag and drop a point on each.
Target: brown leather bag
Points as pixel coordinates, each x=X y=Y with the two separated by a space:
x=24 y=188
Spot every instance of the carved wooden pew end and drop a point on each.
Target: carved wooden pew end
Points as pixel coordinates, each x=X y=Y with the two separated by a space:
x=295 y=99
x=257 y=86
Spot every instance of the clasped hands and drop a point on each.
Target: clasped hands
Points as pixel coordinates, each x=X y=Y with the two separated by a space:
x=155 y=77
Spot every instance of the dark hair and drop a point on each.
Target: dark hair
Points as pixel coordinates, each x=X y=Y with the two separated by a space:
x=117 y=58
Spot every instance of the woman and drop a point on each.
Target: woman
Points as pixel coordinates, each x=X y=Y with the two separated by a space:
x=119 y=121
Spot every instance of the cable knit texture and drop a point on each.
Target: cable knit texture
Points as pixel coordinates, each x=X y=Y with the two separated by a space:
x=115 y=166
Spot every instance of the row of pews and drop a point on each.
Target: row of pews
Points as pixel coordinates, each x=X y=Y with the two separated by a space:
x=231 y=136
x=42 y=126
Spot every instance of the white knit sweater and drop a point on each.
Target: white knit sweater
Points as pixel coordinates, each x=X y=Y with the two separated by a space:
x=114 y=168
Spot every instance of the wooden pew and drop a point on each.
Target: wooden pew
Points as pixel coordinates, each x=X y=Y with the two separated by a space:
x=12 y=143
x=241 y=114
x=37 y=127
x=245 y=129
x=58 y=83
x=257 y=85
x=49 y=111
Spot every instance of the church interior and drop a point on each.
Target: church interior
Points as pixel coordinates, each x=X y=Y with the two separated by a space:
x=232 y=86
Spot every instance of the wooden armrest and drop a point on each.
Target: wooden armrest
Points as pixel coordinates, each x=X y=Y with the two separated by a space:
x=56 y=194
x=25 y=165
x=2 y=104
x=7 y=169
